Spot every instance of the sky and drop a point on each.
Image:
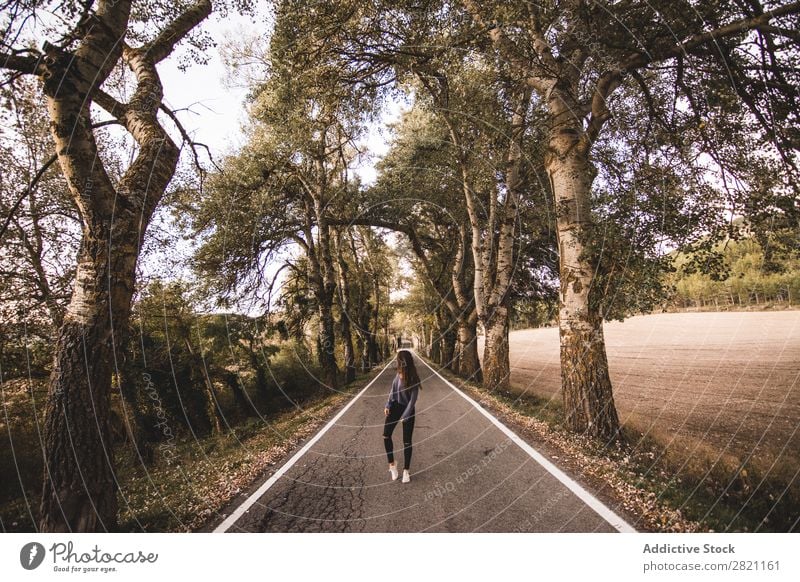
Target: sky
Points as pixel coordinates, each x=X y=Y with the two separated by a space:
x=218 y=111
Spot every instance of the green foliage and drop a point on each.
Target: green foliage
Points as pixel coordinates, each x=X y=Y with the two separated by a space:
x=200 y=367
x=21 y=461
x=39 y=237
x=747 y=281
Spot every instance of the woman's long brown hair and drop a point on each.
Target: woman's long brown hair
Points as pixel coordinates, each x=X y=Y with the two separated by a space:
x=407 y=370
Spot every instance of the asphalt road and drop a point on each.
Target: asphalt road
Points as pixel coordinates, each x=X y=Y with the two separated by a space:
x=467 y=475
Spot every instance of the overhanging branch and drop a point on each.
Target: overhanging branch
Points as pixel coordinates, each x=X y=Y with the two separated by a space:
x=175 y=31
x=701 y=39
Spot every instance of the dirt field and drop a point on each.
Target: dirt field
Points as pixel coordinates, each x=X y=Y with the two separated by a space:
x=730 y=381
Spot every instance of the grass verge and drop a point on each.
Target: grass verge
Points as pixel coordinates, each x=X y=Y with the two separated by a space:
x=183 y=491
x=206 y=475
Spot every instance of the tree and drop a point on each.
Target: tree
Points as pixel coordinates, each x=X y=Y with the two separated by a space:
x=79 y=492
x=297 y=167
x=575 y=56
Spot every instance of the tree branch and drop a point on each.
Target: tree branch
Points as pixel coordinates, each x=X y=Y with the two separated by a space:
x=39 y=174
x=27 y=65
x=163 y=45
x=505 y=46
x=110 y=104
x=187 y=139
x=50 y=161
x=600 y=113
x=698 y=40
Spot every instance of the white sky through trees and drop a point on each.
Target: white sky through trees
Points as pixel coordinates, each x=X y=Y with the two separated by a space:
x=218 y=111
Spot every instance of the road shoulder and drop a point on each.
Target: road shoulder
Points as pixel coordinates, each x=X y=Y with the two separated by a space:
x=280 y=454
x=595 y=470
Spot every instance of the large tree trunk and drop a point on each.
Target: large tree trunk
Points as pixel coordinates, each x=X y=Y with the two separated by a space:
x=586 y=385
x=496 y=364
x=80 y=491
x=588 y=398
x=466 y=356
x=326 y=355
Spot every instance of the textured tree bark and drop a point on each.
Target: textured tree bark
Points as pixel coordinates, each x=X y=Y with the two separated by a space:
x=80 y=487
x=586 y=384
x=496 y=364
x=466 y=355
x=133 y=418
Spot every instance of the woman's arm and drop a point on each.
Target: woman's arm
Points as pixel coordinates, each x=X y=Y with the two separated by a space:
x=391 y=393
x=411 y=402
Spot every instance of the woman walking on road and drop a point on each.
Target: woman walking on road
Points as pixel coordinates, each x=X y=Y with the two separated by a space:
x=400 y=407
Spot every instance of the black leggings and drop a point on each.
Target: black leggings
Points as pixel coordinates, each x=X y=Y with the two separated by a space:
x=388 y=428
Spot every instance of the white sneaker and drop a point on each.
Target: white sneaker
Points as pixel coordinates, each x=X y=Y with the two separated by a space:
x=393 y=471
x=406 y=476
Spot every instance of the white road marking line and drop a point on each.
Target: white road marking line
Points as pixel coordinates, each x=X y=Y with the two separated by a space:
x=598 y=506
x=250 y=501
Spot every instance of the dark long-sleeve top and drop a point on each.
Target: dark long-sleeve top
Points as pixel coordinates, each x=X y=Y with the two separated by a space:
x=403 y=397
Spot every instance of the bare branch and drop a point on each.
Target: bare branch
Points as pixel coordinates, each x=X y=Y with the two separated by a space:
x=600 y=113
x=50 y=161
x=110 y=104
x=188 y=140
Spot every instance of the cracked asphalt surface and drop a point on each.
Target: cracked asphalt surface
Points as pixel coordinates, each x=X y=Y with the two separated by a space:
x=466 y=476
